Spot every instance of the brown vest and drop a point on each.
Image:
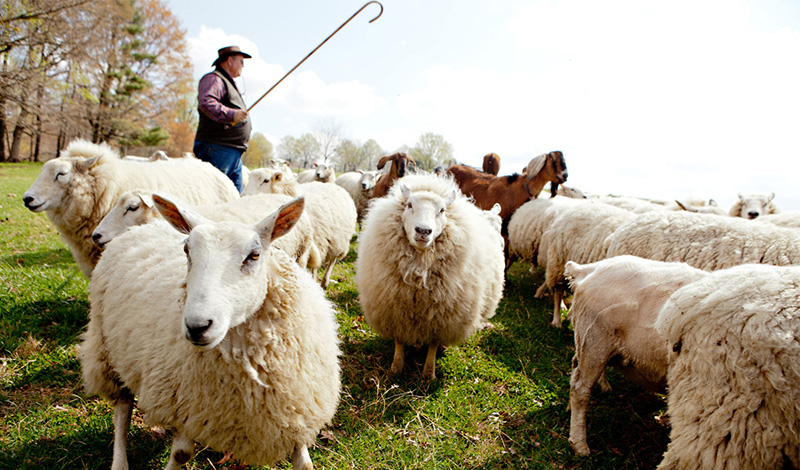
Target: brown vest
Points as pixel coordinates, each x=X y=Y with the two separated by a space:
x=223 y=133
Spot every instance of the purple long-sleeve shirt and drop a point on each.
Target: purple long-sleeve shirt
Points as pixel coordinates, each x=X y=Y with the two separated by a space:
x=210 y=93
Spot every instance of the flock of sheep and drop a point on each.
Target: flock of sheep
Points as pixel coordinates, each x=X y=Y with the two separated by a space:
x=208 y=306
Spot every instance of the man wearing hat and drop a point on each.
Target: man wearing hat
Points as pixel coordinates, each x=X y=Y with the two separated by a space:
x=219 y=103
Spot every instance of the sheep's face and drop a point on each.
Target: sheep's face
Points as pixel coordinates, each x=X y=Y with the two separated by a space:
x=130 y=210
x=323 y=172
x=261 y=181
x=424 y=217
x=51 y=186
x=754 y=205
x=368 y=179
x=227 y=273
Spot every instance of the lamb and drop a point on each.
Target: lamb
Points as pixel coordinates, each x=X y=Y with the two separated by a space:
x=231 y=344
x=705 y=241
x=569 y=191
x=136 y=208
x=332 y=212
x=750 y=206
x=579 y=233
x=429 y=267
x=78 y=189
x=321 y=172
x=615 y=304
x=734 y=381
x=397 y=169
x=358 y=184
x=491 y=164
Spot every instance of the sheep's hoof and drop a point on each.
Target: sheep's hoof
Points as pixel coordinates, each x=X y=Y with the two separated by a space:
x=429 y=373
x=395 y=369
x=556 y=324
x=580 y=448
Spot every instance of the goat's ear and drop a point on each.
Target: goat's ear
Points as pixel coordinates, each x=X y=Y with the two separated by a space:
x=83 y=165
x=535 y=166
x=383 y=161
x=183 y=220
x=281 y=221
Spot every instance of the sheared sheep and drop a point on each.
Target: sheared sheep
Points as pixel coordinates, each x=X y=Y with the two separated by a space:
x=78 y=189
x=705 y=241
x=734 y=370
x=750 y=206
x=136 y=208
x=320 y=172
x=331 y=209
x=231 y=344
x=358 y=184
x=429 y=267
x=615 y=304
x=579 y=233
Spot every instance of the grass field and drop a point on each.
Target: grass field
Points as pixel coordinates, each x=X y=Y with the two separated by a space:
x=499 y=400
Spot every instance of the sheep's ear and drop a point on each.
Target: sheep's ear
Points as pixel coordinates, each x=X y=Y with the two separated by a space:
x=277 y=176
x=451 y=196
x=146 y=200
x=281 y=221
x=770 y=198
x=535 y=166
x=685 y=207
x=496 y=209
x=86 y=163
x=182 y=219
x=406 y=192
x=360 y=172
x=740 y=197
x=712 y=202
x=314 y=165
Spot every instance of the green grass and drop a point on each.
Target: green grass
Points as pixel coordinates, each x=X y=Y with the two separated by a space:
x=499 y=400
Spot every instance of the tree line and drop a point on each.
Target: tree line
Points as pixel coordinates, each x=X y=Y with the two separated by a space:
x=118 y=71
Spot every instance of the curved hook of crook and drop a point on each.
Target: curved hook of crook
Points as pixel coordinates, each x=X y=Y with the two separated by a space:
x=379 y=13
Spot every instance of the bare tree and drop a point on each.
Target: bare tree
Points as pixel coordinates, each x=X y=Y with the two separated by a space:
x=300 y=152
x=328 y=133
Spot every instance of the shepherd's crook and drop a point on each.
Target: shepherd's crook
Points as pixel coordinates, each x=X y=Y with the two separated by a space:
x=315 y=49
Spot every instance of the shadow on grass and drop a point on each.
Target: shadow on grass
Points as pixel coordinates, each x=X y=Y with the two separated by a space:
x=56 y=257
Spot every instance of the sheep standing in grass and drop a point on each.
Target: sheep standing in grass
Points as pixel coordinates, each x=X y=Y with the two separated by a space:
x=751 y=206
x=705 y=241
x=615 y=305
x=231 y=344
x=136 y=208
x=358 y=184
x=579 y=233
x=320 y=172
x=734 y=373
x=330 y=207
x=429 y=267
x=78 y=189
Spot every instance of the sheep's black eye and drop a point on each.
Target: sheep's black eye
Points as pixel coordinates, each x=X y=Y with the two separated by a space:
x=133 y=208
x=266 y=181
x=441 y=211
x=59 y=174
x=186 y=248
x=408 y=205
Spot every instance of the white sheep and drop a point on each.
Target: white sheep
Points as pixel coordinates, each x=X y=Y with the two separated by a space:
x=734 y=370
x=320 y=172
x=136 y=208
x=569 y=191
x=705 y=241
x=579 y=233
x=751 y=206
x=788 y=219
x=231 y=345
x=632 y=204
x=429 y=266
x=358 y=184
x=709 y=208
x=529 y=222
x=331 y=209
x=615 y=304
x=155 y=156
x=78 y=189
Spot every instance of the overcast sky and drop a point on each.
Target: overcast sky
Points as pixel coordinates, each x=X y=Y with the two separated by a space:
x=670 y=99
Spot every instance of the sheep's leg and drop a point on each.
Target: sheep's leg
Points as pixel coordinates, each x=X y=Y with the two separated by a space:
x=558 y=295
x=399 y=357
x=301 y=459
x=585 y=372
x=429 y=371
x=327 y=276
x=122 y=421
x=182 y=451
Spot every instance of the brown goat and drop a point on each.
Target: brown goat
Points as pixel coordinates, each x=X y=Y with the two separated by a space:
x=397 y=171
x=514 y=190
x=491 y=164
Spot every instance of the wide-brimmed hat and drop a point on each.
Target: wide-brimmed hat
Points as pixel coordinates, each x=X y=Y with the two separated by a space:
x=226 y=52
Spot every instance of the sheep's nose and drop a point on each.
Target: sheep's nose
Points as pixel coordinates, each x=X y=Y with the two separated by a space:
x=27 y=200
x=96 y=237
x=196 y=332
x=423 y=231
x=752 y=215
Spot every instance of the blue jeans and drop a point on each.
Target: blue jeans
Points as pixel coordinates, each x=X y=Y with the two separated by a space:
x=227 y=159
